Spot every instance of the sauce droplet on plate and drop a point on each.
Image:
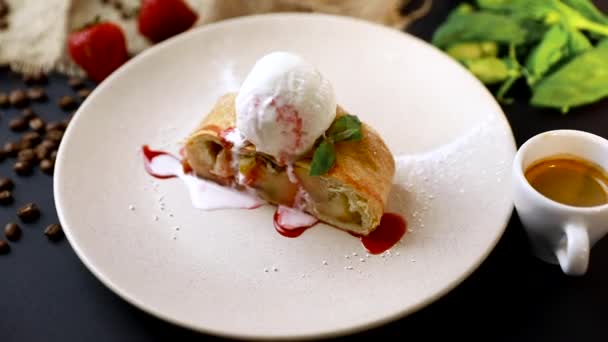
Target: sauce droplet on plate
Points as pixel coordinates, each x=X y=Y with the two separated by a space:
x=391 y=229
x=291 y=222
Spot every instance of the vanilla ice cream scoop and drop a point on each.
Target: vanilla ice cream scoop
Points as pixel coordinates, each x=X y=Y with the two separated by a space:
x=284 y=105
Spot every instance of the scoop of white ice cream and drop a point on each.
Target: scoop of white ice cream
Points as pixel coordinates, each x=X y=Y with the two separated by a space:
x=284 y=105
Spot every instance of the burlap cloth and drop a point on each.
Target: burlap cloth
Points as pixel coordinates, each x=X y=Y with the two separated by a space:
x=36 y=37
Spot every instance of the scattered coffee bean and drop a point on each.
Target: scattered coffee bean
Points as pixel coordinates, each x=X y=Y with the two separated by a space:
x=53 y=155
x=4 y=247
x=23 y=168
x=67 y=102
x=4 y=101
x=10 y=148
x=6 y=184
x=76 y=83
x=55 y=126
x=84 y=93
x=18 y=98
x=42 y=152
x=12 y=231
x=47 y=166
x=37 y=124
x=27 y=155
x=28 y=114
x=54 y=135
x=17 y=124
x=37 y=94
x=25 y=144
x=50 y=144
x=6 y=197
x=53 y=232
x=35 y=78
x=29 y=213
x=31 y=136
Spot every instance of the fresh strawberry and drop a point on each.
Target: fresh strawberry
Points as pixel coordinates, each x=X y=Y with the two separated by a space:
x=99 y=49
x=161 y=19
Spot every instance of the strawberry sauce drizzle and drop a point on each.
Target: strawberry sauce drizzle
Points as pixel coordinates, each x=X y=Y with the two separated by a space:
x=288 y=221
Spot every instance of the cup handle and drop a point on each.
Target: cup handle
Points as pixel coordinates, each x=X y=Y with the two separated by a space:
x=573 y=250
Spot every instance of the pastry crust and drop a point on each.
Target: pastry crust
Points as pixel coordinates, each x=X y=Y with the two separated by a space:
x=350 y=197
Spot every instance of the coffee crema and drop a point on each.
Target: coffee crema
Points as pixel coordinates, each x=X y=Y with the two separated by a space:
x=569 y=180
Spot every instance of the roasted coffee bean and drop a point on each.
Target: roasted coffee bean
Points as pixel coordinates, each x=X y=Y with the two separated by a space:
x=84 y=93
x=42 y=152
x=27 y=155
x=50 y=144
x=32 y=136
x=35 y=78
x=6 y=197
x=47 y=166
x=4 y=101
x=55 y=126
x=29 y=213
x=12 y=231
x=10 y=148
x=53 y=232
x=17 y=124
x=53 y=155
x=4 y=247
x=18 y=98
x=25 y=144
x=37 y=94
x=6 y=184
x=28 y=114
x=76 y=83
x=54 y=135
x=37 y=124
x=67 y=102
x=23 y=168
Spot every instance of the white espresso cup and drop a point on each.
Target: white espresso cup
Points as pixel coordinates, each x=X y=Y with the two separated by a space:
x=560 y=233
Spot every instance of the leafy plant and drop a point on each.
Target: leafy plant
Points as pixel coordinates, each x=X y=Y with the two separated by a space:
x=553 y=39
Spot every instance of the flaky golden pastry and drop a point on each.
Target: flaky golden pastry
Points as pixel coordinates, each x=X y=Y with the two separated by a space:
x=351 y=196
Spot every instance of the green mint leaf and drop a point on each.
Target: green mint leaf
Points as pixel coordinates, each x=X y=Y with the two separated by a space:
x=347 y=127
x=323 y=158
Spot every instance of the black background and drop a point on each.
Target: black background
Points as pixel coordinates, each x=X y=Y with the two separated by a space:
x=46 y=293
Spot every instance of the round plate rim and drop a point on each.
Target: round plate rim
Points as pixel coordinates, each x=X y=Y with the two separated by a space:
x=130 y=298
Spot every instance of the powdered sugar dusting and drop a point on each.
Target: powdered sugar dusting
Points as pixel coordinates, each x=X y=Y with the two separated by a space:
x=428 y=185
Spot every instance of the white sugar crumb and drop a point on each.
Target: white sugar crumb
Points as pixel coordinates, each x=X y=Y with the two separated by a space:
x=398 y=253
x=354 y=253
x=347 y=256
x=170 y=215
x=324 y=262
x=176 y=228
x=367 y=255
x=155 y=218
x=266 y=270
x=131 y=207
x=361 y=260
x=413 y=260
x=276 y=269
x=348 y=268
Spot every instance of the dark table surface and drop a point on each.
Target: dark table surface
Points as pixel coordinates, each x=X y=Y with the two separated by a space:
x=46 y=293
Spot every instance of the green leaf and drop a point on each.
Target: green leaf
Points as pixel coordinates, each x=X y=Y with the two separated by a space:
x=548 y=53
x=347 y=127
x=489 y=70
x=323 y=158
x=588 y=9
x=578 y=43
x=582 y=81
x=479 y=26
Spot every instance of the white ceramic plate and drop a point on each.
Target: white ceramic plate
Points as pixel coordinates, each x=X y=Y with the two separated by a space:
x=452 y=144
